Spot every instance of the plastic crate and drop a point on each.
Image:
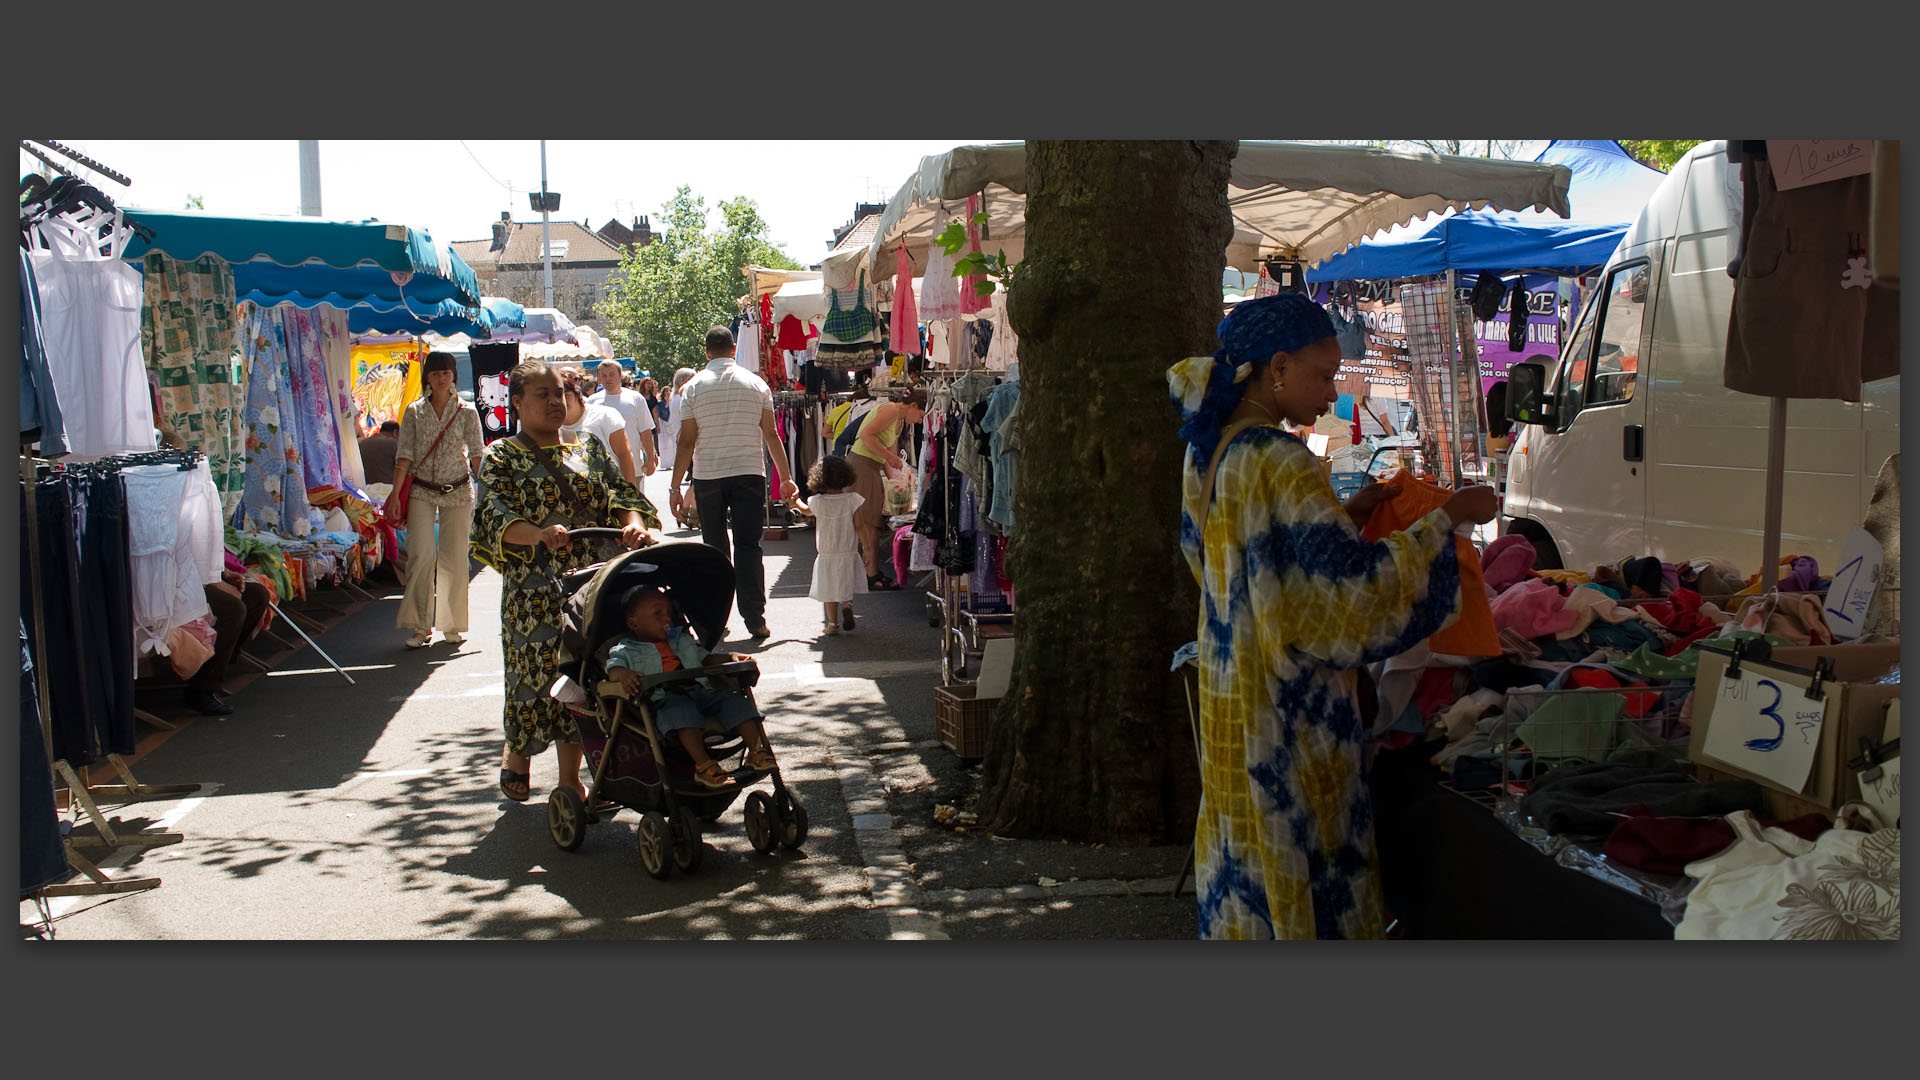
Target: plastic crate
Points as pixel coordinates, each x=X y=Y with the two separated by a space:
x=961 y=720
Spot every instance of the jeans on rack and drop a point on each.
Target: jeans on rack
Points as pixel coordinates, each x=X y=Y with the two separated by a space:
x=741 y=501
x=43 y=858
x=106 y=593
x=73 y=697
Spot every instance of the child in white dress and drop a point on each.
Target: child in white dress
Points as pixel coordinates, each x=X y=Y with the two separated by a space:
x=838 y=573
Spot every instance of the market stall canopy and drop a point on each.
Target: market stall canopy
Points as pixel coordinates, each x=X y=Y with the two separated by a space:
x=447 y=317
x=505 y=313
x=1290 y=199
x=342 y=257
x=765 y=279
x=1607 y=191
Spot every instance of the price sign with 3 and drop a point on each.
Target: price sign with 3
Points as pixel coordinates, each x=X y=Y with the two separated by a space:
x=1765 y=726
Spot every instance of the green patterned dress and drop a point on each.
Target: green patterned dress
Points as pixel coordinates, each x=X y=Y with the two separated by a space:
x=514 y=487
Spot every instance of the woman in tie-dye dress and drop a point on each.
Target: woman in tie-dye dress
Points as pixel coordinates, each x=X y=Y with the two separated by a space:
x=1292 y=602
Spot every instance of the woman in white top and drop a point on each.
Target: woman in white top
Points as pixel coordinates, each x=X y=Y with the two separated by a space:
x=603 y=423
x=442 y=467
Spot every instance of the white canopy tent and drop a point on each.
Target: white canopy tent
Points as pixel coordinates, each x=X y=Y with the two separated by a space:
x=1291 y=200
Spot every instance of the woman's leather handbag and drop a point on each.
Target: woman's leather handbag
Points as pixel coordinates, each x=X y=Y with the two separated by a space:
x=395 y=508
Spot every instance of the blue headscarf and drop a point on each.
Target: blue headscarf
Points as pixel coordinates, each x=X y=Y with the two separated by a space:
x=1207 y=388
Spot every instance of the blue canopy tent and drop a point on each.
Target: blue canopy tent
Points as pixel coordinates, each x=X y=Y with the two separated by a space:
x=446 y=318
x=1607 y=191
x=313 y=256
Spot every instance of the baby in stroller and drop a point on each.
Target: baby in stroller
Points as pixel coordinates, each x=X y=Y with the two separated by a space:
x=657 y=645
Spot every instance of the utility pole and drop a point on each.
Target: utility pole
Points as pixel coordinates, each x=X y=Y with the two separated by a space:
x=546 y=225
x=309 y=178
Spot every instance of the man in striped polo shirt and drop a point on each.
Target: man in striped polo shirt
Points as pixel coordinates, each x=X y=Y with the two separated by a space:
x=726 y=434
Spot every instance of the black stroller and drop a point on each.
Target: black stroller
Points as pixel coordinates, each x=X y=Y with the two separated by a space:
x=630 y=764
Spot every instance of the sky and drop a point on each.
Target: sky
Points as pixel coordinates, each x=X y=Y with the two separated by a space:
x=456 y=190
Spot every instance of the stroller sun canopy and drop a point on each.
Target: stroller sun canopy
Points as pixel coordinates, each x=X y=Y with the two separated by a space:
x=700 y=579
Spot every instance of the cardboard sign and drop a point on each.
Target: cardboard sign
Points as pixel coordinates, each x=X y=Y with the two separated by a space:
x=1883 y=791
x=1766 y=726
x=1804 y=162
x=1854 y=585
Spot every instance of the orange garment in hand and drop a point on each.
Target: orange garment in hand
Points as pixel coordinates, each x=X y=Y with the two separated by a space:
x=1473 y=634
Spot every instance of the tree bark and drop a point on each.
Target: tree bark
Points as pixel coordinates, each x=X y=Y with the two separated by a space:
x=1125 y=248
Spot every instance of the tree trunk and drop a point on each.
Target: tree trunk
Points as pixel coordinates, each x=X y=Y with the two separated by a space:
x=1125 y=248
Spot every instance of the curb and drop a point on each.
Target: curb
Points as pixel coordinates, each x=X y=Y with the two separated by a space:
x=890 y=879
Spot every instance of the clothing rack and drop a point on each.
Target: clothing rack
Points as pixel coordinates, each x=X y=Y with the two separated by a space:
x=81 y=791
x=963 y=628
x=64 y=195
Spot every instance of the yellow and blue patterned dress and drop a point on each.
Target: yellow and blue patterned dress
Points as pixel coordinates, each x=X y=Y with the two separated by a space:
x=1293 y=601
x=514 y=487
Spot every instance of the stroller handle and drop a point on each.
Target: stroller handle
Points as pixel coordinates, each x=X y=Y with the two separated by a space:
x=573 y=580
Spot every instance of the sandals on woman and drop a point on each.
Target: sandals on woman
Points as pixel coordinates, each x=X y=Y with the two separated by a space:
x=419 y=639
x=712 y=776
x=876 y=583
x=521 y=780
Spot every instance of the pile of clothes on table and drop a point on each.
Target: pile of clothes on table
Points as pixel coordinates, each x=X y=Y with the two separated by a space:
x=1496 y=685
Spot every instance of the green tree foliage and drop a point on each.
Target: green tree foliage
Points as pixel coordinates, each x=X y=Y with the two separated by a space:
x=1662 y=154
x=664 y=296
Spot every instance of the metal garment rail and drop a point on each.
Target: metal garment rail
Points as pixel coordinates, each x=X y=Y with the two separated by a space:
x=105 y=834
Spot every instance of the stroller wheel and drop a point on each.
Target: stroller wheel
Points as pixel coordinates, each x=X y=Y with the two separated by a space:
x=760 y=827
x=655 y=840
x=687 y=848
x=566 y=818
x=790 y=820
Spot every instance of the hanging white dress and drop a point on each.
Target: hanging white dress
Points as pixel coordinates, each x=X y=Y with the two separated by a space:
x=939 y=289
x=838 y=573
x=90 y=329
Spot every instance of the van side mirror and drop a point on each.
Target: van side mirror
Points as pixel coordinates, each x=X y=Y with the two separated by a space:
x=1526 y=394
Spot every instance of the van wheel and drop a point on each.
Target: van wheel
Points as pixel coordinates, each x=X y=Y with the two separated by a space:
x=1546 y=554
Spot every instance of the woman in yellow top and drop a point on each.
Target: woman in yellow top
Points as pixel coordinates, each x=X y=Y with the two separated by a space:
x=1293 y=601
x=873 y=454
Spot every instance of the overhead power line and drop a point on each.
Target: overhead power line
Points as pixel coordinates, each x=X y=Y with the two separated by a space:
x=511 y=190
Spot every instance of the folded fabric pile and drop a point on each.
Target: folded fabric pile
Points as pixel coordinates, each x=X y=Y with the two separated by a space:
x=1586 y=798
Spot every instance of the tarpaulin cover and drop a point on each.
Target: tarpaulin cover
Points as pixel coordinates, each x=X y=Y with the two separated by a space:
x=1607 y=192
x=316 y=249
x=1304 y=201
x=447 y=317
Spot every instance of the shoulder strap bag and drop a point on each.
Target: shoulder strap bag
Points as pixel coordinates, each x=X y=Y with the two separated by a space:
x=1213 y=468
x=395 y=508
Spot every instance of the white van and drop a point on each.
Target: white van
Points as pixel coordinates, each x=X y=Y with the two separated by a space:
x=1647 y=452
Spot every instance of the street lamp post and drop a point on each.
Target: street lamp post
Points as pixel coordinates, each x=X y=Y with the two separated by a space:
x=546 y=226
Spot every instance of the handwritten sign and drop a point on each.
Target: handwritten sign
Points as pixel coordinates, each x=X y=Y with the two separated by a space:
x=1854 y=583
x=1765 y=726
x=1803 y=162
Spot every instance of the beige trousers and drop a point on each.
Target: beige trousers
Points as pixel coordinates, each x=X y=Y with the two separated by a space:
x=436 y=594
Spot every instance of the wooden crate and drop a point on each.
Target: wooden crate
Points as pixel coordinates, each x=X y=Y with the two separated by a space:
x=961 y=720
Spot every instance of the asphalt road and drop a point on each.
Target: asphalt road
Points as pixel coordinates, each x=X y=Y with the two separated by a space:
x=372 y=811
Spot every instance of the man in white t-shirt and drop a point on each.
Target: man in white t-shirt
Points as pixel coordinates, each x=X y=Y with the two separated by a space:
x=602 y=423
x=632 y=406
x=726 y=433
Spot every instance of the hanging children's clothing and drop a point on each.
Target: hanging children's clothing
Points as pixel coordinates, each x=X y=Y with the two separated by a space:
x=89 y=304
x=939 y=289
